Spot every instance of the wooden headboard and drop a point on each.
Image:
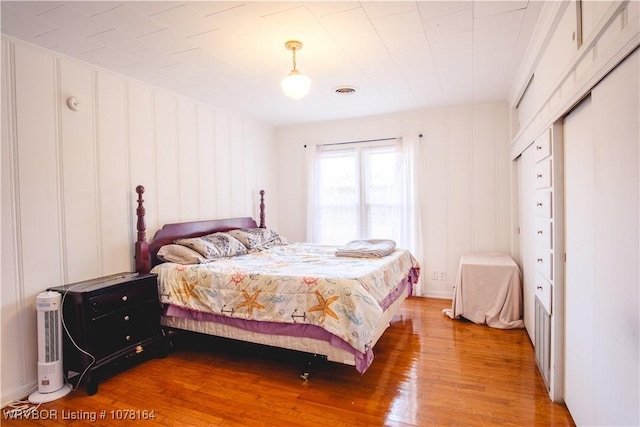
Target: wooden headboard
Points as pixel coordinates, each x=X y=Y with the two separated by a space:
x=146 y=252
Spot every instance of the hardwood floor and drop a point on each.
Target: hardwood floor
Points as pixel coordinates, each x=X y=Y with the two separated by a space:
x=429 y=370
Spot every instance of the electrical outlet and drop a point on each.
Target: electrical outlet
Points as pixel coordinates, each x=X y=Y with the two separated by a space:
x=443 y=275
x=434 y=275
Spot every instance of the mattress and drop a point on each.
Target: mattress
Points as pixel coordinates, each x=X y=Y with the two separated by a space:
x=296 y=284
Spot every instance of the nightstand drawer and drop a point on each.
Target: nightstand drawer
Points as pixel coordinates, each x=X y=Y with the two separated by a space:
x=123 y=297
x=124 y=328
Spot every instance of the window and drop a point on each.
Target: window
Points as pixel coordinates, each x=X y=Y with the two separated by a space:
x=367 y=191
x=354 y=190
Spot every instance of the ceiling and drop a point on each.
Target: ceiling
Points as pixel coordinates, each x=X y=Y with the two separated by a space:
x=399 y=55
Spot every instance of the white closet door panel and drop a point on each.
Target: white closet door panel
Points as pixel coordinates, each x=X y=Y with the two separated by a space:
x=167 y=157
x=206 y=162
x=80 y=190
x=116 y=207
x=592 y=13
x=38 y=169
x=559 y=51
x=188 y=161
x=616 y=241
x=581 y=311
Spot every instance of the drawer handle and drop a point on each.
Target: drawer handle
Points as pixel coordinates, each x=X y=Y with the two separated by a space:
x=539 y=260
x=124 y=298
x=539 y=231
x=539 y=287
x=126 y=318
x=538 y=147
x=128 y=338
x=539 y=175
x=539 y=204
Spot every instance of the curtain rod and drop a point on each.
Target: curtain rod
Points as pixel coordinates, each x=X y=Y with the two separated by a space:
x=358 y=142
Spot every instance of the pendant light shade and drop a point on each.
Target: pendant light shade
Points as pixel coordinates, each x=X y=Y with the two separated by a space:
x=295 y=85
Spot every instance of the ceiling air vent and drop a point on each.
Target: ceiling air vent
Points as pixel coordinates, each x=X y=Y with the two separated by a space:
x=345 y=90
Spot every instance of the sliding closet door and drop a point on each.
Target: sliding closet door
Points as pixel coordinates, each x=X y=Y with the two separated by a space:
x=580 y=310
x=602 y=243
x=616 y=113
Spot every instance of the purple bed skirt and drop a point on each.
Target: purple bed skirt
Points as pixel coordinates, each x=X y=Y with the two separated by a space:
x=363 y=360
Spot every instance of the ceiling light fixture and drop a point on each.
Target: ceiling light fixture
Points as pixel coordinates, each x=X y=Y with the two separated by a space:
x=295 y=85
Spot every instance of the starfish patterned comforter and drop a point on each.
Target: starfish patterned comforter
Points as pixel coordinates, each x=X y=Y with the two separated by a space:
x=294 y=283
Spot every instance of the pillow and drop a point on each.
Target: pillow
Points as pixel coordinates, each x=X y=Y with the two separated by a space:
x=216 y=245
x=180 y=255
x=258 y=239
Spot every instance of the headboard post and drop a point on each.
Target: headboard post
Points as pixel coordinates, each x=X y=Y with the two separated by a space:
x=142 y=247
x=262 y=224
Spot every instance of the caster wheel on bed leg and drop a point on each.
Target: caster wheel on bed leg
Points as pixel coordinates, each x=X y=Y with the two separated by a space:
x=311 y=358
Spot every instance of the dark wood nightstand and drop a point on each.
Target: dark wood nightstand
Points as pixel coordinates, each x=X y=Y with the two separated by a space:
x=114 y=319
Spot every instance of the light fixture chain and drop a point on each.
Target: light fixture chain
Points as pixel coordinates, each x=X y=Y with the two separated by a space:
x=294 y=58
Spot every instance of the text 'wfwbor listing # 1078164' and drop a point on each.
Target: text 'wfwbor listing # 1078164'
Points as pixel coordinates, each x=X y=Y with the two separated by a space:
x=34 y=413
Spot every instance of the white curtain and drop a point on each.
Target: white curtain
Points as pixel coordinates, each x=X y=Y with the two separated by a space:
x=407 y=215
x=312 y=201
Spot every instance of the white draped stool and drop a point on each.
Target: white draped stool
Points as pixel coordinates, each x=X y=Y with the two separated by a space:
x=488 y=290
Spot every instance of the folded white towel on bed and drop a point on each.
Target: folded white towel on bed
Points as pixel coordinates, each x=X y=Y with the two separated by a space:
x=372 y=248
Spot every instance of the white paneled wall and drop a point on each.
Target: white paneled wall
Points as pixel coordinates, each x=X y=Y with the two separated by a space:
x=467 y=193
x=113 y=205
x=69 y=178
x=77 y=168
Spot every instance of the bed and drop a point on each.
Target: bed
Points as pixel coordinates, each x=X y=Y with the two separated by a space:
x=237 y=279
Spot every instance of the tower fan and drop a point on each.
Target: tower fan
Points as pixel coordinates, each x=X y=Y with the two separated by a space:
x=51 y=384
